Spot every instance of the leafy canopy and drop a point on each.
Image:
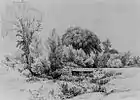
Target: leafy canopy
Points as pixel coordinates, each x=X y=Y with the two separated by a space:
x=82 y=38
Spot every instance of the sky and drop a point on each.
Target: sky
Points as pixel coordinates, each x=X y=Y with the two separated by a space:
x=118 y=20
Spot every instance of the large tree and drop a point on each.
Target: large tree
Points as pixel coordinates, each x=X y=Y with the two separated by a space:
x=82 y=38
x=25 y=30
x=25 y=25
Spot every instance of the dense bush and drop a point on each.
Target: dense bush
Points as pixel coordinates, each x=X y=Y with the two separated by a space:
x=70 y=90
x=72 y=55
x=136 y=60
x=78 y=57
x=56 y=74
x=125 y=58
x=103 y=60
x=41 y=66
x=114 y=61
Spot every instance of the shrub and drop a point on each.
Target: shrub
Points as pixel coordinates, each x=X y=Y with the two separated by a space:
x=125 y=58
x=70 y=91
x=136 y=59
x=90 y=61
x=131 y=61
x=102 y=60
x=101 y=79
x=78 y=57
x=66 y=70
x=67 y=78
x=56 y=74
x=114 y=63
x=71 y=78
x=37 y=67
x=41 y=66
x=72 y=55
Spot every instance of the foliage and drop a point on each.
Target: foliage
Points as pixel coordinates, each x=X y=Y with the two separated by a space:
x=36 y=47
x=114 y=61
x=136 y=59
x=125 y=58
x=56 y=74
x=131 y=61
x=71 y=65
x=82 y=38
x=25 y=26
x=106 y=45
x=90 y=61
x=41 y=66
x=67 y=78
x=113 y=51
x=68 y=54
x=67 y=90
x=72 y=55
x=25 y=29
x=100 y=78
x=78 y=57
x=70 y=91
x=94 y=82
x=55 y=51
x=102 y=60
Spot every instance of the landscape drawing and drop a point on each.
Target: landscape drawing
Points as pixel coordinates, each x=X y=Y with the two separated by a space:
x=69 y=50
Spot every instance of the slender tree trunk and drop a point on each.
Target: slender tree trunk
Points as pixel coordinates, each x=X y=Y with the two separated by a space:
x=29 y=65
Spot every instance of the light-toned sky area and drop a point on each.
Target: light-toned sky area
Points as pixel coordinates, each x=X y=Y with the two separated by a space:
x=118 y=20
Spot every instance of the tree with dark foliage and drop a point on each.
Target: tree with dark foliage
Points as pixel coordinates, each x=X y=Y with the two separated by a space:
x=55 y=54
x=82 y=38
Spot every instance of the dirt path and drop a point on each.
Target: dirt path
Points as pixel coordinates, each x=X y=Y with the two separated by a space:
x=10 y=85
